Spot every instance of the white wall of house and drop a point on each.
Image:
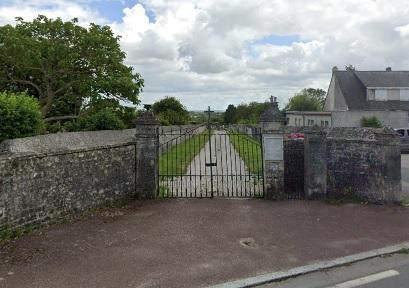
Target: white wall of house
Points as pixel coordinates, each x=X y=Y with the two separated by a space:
x=387 y=94
x=300 y=119
x=335 y=100
x=394 y=119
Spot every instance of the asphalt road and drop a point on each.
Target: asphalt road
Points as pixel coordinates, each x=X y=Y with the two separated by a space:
x=382 y=272
x=195 y=243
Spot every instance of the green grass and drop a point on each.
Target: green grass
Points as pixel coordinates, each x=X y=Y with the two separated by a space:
x=249 y=150
x=176 y=160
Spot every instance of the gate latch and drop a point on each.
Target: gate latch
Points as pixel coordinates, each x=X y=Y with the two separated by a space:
x=211 y=164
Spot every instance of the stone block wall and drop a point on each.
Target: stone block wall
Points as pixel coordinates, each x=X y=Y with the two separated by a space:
x=38 y=187
x=365 y=163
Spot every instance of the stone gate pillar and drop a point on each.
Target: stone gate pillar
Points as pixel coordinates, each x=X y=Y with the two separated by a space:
x=273 y=165
x=147 y=156
x=271 y=122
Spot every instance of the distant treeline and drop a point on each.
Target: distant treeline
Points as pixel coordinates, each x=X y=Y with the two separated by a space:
x=244 y=113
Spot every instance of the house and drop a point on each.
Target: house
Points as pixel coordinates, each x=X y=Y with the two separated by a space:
x=308 y=118
x=353 y=95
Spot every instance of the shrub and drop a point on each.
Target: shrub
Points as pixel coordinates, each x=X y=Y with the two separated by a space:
x=54 y=127
x=20 y=116
x=104 y=119
x=371 y=122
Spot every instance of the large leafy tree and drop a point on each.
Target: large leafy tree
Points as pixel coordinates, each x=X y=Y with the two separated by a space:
x=230 y=114
x=309 y=99
x=171 y=111
x=250 y=113
x=65 y=65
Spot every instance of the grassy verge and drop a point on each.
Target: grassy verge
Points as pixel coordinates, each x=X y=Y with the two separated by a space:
x=176 y=160
x=249 y=151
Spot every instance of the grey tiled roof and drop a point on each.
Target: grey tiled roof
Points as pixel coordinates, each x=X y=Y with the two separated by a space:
x=384 y=78
x=353 y=85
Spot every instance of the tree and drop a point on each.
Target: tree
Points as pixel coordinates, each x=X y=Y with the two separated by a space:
x=170 y=111
x=250 y=113
x=230 y=114
x=309 y=99
x=63 y=64
x=104 y=119
x=126 y=114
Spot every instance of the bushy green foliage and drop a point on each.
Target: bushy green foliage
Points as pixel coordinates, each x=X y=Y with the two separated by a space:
x=230 y=114
x=372 y=122
x=64 y=64
x=54 y=127
x=20 y=116
x=309 y=99
x=104 y=119
x=245 y=113
x=170 y=111
x=126 y=114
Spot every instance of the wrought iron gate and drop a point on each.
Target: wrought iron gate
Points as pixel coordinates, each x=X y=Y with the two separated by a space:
x=211 y=161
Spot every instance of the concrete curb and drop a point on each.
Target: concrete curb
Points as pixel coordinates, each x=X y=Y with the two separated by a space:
x=281 y=275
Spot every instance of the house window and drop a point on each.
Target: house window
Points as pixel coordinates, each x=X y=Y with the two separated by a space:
x=381 y=95
x=310 y=122
x=404 y=95
x=393 y=94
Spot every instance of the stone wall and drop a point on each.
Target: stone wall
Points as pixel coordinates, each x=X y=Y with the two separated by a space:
x=46 y=176
x=85 y=140
x=38 y=187
x=348 y=163
x=365 y=163
x=70 y=141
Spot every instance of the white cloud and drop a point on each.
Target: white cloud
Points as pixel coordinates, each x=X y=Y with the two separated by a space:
x=66 y=10
x=212 y=52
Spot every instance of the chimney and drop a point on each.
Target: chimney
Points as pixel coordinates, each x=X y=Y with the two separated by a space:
x=388 y=69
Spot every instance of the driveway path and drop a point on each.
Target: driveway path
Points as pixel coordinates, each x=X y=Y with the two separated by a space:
x=195 y=242
x=231 y=177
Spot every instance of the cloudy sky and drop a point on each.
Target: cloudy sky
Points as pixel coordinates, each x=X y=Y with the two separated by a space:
x=216 y=52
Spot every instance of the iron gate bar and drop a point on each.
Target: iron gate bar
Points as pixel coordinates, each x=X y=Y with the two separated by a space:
x=219 y=149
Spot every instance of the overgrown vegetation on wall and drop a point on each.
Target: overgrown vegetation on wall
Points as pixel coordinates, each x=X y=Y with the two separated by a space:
x=372 y=122
x=20 y=116
x=170 y=111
